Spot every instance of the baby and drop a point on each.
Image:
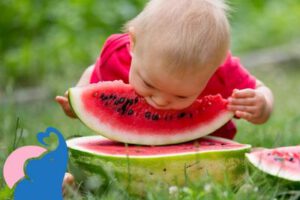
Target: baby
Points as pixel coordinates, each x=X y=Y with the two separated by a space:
x=176 y=51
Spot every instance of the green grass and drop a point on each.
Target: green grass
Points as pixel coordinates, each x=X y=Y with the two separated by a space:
x=282 y=129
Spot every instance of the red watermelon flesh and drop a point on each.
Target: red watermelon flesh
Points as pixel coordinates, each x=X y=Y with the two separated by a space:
x=100 y=145
x=114 y=110
x=283 y=162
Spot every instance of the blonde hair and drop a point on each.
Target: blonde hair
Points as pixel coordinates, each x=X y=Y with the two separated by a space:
x=188 y=32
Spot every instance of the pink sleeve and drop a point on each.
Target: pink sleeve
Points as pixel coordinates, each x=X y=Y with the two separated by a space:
x=114 y=60
x=236 y=76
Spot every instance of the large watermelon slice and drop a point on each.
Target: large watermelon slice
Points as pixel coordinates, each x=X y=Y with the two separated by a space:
x=283 y=162
x=114 y=110
x=142 y=166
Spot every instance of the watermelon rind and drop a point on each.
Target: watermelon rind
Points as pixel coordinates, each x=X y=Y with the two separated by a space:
x=133 y=136
x=275 y=170
x=169 y=169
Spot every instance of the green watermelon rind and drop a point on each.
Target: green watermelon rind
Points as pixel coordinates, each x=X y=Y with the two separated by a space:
x=170 y=169
x=133 y=136
x=275 y=171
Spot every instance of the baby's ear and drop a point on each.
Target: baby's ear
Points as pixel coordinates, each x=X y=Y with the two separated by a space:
x=131 y=38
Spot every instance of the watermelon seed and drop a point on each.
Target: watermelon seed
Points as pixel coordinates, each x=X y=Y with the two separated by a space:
x=148 y=115
x=136 y=100
x=105 y=98
x=155 y=117
x=291 y=159
x=122 y=100
x=130 y=102
x=130 y=112
x=181 y=115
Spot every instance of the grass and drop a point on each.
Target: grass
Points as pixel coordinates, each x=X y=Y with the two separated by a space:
x=283 y=129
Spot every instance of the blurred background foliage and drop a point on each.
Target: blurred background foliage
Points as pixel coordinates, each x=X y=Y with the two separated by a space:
x=51 y=42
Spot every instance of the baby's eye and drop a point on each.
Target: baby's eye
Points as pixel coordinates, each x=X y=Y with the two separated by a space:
x=181 y=97
x=148 y=85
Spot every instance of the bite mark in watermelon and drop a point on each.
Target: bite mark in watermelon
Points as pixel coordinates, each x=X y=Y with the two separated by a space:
x=171 y=164
x=114 y=110
x=283 y=162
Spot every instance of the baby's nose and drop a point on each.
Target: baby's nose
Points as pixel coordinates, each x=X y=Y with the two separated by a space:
x=160 y=101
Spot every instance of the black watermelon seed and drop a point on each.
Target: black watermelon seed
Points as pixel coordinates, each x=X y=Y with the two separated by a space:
x=122 y=100
x=105 y=98
x=111 y=96
x=130 y=101
x=181 y=115
x=130 y=112
x=291 y=159
x=155 y=117
x=148 y=115
x=136 y=100
x=116 y=102
x=102 y=96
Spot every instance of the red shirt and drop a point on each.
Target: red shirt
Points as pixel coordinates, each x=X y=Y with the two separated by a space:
x=114 y=64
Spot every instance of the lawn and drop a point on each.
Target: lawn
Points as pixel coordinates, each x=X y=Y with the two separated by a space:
x=281 y=130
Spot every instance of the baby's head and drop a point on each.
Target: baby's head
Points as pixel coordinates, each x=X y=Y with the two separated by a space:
x=176 y=46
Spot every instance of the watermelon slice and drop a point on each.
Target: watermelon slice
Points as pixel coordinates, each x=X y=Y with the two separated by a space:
x=171 y=164
x=114 y=110
x=283 y=162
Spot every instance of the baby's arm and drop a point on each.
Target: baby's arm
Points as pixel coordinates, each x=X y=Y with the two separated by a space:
x=253 y=105
x=64 y=101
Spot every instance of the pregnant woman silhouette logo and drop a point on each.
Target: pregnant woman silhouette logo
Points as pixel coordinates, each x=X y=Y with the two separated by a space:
x=36 y=172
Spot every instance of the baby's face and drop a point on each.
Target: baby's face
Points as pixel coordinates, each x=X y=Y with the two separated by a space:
x=164 y=90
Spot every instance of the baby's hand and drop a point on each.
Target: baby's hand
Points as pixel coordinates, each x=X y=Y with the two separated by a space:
x=248 y=104
x=65 y=105
x=68 y=183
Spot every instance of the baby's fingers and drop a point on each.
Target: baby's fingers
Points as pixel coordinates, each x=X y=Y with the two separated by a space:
x=61 y=100
x=242 y=108
x=241 y=101
x=64 y=103
x=244 y=115
x=245 y=93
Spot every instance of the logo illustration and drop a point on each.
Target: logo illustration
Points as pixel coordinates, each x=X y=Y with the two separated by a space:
x=36 y=172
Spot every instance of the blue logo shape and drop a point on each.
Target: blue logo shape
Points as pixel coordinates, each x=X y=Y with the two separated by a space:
x=44 y=176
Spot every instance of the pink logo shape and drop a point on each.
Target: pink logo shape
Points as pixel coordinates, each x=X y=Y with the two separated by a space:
x=13 y=169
